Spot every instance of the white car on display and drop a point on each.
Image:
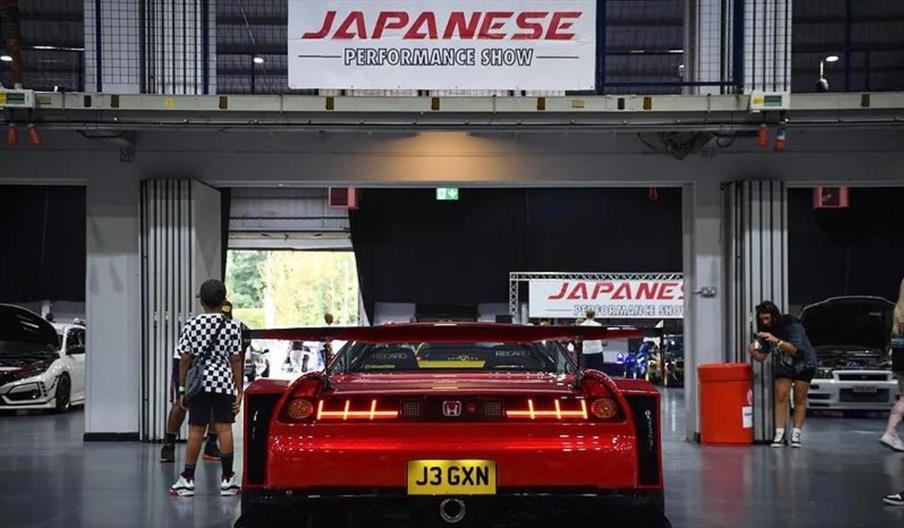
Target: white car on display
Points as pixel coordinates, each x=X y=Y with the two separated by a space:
x=42 y=365
x=851 y=335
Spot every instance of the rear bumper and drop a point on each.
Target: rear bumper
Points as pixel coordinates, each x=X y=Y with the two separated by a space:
x=527 y=507
x=847 y=395
x=528 y=455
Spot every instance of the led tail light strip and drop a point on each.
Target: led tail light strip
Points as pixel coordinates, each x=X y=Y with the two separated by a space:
x=558 y=413
x=347 y=414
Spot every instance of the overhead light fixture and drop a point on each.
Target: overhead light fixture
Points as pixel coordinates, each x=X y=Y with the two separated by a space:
x=6 y=58
x=822 y=84
x=258 y=60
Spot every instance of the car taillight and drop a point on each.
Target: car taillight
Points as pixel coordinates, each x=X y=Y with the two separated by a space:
x=303 y=396
x=604 y=408
x=603 y=404
x=344 y=411
x=307 y=403
x=300 y=409
x=557 y=411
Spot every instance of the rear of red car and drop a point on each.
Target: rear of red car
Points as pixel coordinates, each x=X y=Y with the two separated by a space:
x=470 y=434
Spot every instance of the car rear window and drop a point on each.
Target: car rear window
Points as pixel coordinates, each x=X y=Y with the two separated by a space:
x=414 y=357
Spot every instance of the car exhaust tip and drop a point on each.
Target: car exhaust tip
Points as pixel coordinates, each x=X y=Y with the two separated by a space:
x=452 y=511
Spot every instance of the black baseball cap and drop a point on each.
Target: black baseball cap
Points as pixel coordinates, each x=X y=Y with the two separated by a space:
x=213 y=293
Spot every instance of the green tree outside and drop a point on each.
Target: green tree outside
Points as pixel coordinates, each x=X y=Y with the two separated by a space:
x=293 y=288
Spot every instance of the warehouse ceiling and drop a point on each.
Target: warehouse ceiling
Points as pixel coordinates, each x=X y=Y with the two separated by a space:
x=645 y=40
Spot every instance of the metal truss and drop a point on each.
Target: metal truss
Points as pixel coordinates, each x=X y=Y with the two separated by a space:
x=638 y=113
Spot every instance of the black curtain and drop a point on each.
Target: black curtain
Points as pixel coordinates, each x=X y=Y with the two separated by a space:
x=225 y=209
x=42 y=236
x=412 y=248
x=853 y=251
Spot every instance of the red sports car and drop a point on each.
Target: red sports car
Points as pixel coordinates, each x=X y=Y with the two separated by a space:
x=451 y=425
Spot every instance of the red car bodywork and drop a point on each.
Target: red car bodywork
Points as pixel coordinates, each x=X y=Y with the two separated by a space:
x=531 y=454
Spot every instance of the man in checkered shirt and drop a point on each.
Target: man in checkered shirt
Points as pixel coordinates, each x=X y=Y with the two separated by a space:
x=221 y=396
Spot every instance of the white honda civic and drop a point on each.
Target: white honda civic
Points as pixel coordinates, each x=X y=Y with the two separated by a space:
x=42 y=365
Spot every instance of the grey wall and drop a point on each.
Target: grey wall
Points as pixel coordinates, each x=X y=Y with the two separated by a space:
x=245 y=158
x=261 y=159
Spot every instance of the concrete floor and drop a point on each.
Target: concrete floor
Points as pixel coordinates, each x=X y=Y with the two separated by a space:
x=49 y=477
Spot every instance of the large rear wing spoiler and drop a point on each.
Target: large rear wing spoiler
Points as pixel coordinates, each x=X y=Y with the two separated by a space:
x=446 y=333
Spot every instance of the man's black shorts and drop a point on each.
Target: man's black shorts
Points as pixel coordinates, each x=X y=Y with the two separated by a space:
x=209 y=406
x=799 y=374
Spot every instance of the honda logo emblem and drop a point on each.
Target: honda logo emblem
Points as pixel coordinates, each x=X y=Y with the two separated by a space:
x=452 y=409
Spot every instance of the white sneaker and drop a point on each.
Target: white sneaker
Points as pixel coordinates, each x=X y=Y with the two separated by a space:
x=183 y=487
x=892 y=442
x=795 y=438
x=230 y=486
x=779 y=440
x=894 y=500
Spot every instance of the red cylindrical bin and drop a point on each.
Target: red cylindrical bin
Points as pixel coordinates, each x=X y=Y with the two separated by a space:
x=726 y=403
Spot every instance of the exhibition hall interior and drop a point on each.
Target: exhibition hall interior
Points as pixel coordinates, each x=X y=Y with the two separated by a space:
x=451 y=263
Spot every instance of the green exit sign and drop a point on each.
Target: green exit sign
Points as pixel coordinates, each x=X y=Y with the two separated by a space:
x=447 y=193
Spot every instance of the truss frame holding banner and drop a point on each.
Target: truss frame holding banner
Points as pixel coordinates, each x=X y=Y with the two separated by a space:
x=516 y=278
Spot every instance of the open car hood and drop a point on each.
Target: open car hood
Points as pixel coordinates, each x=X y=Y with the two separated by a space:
x=846 y=322
x=445 y=333
x=19 y=324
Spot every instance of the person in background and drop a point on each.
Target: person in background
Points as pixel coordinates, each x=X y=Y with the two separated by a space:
x=217 y=342
x=890 y=438
x=49 y=317
x=11 y=37
x=326 y=351
x=795 y=364
x=246 y=342
x=592 y=350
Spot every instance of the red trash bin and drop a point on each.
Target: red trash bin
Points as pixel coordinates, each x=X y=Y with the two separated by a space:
x=726 y=403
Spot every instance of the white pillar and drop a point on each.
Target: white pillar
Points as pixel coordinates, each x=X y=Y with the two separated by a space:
x=150 y=46
x=757 y=250
x=767 y=45
x=703 y=327
x=181 y=248
x=760 y=44
x=112 y=308
x=706 y=58
x=112 y=46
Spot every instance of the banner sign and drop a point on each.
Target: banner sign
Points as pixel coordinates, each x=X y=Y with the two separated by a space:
x=624 y=299
x=442 y=44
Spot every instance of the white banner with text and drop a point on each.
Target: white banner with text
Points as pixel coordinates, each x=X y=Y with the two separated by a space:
x=610 y=299
x=442 y=44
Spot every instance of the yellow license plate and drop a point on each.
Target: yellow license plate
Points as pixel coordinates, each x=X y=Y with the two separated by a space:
x=452 y=477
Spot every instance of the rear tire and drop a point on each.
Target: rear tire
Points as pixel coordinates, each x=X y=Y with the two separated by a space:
x=63 y=393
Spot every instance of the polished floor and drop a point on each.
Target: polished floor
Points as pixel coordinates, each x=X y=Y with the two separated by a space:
x=49 y=478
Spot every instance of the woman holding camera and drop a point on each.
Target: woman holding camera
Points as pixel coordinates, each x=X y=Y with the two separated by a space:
x=890 y=438
x=795 y=365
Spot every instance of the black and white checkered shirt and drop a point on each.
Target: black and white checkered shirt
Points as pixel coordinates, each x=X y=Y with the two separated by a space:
x=195 y=338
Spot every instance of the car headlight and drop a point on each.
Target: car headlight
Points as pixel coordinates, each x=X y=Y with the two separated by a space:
x=35 y=369
x=824 y=373
x=26 y=392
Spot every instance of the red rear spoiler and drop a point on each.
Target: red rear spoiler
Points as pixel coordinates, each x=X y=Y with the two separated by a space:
x=445 y=333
